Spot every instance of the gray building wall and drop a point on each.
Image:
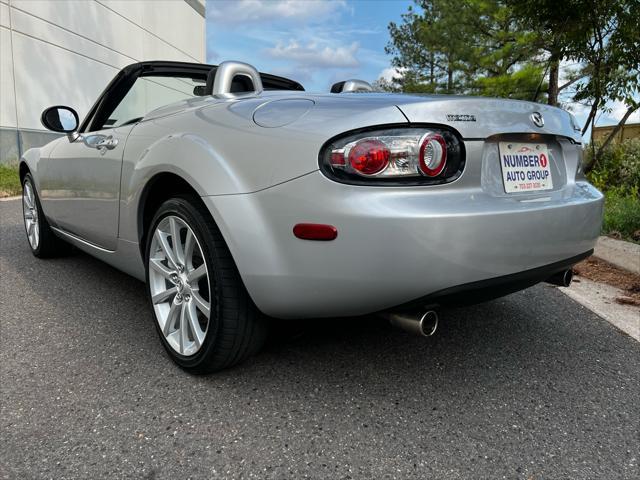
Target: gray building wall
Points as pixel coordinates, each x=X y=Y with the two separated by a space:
x=64 y=52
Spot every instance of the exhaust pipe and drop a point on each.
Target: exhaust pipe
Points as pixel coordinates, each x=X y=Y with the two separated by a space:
x=561 y=279
x=421 y=323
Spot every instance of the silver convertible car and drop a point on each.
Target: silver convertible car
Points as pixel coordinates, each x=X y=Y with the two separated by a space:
x=237 y=196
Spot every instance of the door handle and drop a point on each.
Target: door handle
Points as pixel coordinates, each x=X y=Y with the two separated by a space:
x=108 y=143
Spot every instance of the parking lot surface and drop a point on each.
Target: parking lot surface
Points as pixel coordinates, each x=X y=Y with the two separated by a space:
x=529 y=386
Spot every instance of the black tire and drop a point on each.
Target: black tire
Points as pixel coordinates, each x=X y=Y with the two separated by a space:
x=236 y=328
x=49 y=245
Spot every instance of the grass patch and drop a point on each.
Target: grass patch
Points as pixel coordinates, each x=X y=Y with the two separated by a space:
x=9 y=181
x=617 y=175
x=622 y=214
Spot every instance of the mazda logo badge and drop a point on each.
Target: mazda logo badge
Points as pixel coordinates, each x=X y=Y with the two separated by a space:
x=537 y=119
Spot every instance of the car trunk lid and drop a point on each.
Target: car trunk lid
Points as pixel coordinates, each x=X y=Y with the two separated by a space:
x=480 y=118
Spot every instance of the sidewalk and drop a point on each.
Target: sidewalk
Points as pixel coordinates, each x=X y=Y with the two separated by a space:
x=603 y=298
x=622 y=254
x=600 y=298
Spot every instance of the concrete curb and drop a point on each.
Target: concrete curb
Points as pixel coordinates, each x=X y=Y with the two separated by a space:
x=600 y=298
x=7 y=199
x=625 y=255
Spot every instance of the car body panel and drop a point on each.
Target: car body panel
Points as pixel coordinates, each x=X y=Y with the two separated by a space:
x=248 y=157
x=492 y=116
x=394 y=244
x=472 y=117
x=31 y=159
x=254 y=161
x=230 y=153
x=80 y=187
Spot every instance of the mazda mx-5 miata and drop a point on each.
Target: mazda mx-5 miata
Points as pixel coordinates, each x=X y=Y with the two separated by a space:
x=237 y=196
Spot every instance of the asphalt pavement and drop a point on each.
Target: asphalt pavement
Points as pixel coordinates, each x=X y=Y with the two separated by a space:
x=530 y=386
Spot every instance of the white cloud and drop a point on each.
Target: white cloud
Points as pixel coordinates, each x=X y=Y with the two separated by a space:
x=314 y=55
x=312 y=41
x=618 y=109
x=390 y=74
x=567 y=69
x=579 y=110
x=245 y=11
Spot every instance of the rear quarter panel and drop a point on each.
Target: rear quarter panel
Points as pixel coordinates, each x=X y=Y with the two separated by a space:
x=219 y=150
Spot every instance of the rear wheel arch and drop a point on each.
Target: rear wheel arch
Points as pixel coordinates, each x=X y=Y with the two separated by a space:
x=158 y=189
x=162 y=187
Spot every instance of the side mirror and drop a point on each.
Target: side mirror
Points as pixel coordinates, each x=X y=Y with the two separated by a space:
x=60 y=119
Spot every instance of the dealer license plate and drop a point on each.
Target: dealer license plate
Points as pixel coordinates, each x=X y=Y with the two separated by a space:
x=525 y=167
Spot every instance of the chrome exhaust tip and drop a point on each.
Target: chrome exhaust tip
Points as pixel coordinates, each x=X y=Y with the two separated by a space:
x=423 y=324
x=561 y=279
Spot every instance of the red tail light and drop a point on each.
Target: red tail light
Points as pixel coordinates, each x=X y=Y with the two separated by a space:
x=419 y=155
x=369 y=157
x=337 y=158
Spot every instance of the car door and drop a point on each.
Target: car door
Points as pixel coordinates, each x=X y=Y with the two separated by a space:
x=80 y=185
x=80 y=181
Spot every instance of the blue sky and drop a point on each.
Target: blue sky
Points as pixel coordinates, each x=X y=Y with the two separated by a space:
x=314 y=42
x=320 y=42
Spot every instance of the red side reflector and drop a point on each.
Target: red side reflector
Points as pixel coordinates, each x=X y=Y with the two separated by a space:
x=315 y=231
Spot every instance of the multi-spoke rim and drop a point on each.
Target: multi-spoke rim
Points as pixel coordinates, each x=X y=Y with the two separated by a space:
x=180 y=287
x=30 y=212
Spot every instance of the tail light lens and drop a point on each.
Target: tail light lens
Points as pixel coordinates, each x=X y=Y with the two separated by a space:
x=394 y=156
x=369 y=157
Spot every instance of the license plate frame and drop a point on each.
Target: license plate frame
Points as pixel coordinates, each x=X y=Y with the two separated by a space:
x=525 y=166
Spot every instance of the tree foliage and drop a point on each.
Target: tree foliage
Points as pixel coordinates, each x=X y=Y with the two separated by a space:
x=601 y=36
x=473 y=47
x=515 y=49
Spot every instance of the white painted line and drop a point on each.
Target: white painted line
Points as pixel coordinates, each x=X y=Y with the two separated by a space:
x=8 y=199
x=622 y=254
x=600 y=299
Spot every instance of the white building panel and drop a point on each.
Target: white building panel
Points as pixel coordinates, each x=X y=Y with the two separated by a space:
x=7 y=94
x=63 y=78
x=162 y=23
x=66 y=51
x=45 y=32
x=88 y=19
x=4 y=14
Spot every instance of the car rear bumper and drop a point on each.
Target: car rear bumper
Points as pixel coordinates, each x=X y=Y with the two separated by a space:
x=483 y=290
x=394 y=245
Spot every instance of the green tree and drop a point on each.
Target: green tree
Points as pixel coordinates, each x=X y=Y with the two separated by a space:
x=515 y=48
x=475 y=46
x=556 y=27
x=611 y=54
x=599 y=35
x=427 y=48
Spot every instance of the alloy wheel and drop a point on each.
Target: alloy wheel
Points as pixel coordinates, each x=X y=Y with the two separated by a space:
x=179 y=285
x=30 y=213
